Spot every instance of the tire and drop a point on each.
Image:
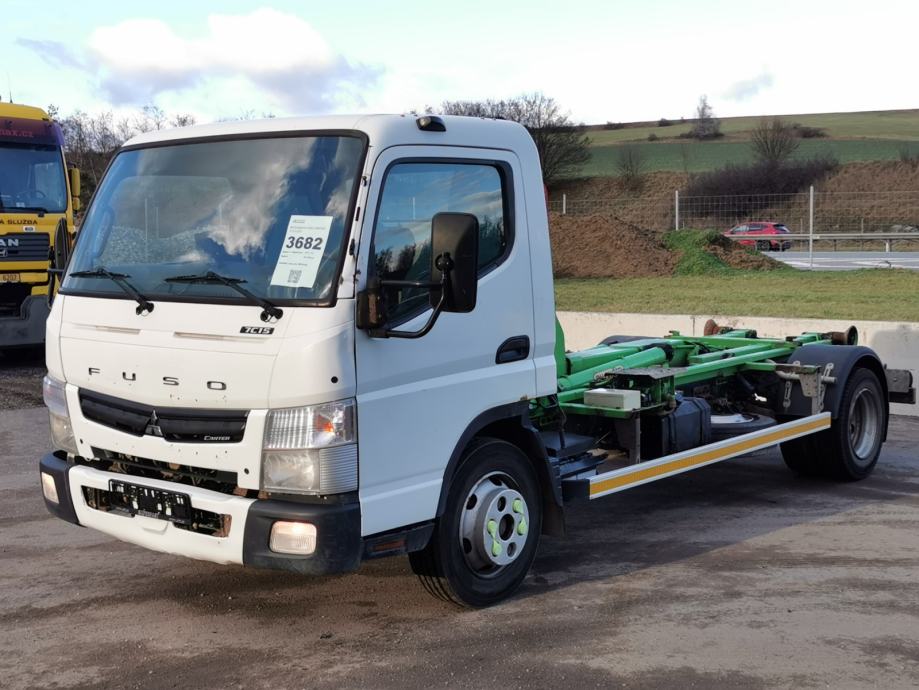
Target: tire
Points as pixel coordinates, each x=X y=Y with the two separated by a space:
x=729 y=426
x=800 y=456
x=848 y=450
x=763 y=246
x=485 y=542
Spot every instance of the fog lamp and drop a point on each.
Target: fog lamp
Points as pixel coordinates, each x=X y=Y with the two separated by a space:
x=49 y=488
x=293 y=537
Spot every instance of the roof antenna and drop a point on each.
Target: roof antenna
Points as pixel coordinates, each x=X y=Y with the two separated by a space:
x=9 y=85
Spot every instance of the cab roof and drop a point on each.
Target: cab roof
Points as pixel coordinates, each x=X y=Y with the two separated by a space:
x=26 y=112
x=381 y=130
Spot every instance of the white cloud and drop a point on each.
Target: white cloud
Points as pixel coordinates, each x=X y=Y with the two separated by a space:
x=266 y=59
x=745 y=89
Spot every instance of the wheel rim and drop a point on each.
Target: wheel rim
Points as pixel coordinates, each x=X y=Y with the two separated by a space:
x=494 y=526
x=864 y=425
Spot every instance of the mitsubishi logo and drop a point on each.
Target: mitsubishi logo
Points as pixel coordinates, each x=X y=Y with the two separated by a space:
x=153 y=427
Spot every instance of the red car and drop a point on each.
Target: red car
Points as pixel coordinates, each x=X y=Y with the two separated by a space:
x=766 y=228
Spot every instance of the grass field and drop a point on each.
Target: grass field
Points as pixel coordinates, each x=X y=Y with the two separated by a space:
x=850 y=137
x=871 y=294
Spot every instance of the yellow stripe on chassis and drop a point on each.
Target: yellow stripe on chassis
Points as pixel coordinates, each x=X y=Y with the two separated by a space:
x=677 y=463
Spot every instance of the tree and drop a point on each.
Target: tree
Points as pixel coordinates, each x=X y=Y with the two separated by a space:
x=630 y=163
x=706 y=126
x=563 y=147
x=773 y=141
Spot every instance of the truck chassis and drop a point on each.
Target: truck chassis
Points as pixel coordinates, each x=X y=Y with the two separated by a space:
x=819 y=396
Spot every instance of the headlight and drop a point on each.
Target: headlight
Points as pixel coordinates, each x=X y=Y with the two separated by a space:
x=311 y=449
x=53 y=391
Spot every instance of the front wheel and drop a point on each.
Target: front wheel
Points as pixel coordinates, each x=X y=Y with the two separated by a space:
x=486 y=539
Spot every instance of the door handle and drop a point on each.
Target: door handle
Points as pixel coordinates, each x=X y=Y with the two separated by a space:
x=513 y=349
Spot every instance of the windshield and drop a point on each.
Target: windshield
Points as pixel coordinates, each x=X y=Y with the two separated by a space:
x=271 y=213
x=32 y=177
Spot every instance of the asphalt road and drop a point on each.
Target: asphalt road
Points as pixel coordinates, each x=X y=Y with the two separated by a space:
x=736 y=575
x=849 y=261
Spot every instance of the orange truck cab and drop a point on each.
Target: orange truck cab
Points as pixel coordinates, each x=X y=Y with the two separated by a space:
x=36 y=194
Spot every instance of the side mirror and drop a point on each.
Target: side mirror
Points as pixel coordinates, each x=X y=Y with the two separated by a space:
x=61 y=252
x=74 y=175
x=454 y=277
x=59 y=256
x=455 y=261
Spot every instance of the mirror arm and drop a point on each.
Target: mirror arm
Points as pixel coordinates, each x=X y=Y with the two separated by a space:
x=432 y=319
x=419 y=333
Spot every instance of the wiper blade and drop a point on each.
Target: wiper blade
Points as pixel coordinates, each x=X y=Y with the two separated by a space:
x=144 y=306
x=40 y=210
x=269 y=310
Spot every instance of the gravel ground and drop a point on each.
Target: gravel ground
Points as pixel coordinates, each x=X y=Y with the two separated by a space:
x=736 y=575
x=21 y=372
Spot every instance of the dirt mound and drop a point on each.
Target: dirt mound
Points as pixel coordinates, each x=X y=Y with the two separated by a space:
x=599 y=246
x=737 y=256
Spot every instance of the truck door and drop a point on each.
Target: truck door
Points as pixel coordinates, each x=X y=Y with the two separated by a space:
x=416 y=397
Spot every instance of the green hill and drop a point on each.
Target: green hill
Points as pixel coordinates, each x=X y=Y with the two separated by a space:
x=862 y=136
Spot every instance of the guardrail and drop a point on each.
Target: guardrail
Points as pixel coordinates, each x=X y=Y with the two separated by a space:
x=885 y=237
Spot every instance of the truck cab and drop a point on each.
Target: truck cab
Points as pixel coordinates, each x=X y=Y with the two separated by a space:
x=36 y=194
x=256 y=416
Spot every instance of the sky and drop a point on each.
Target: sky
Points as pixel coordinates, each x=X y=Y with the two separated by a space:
x=601 y=60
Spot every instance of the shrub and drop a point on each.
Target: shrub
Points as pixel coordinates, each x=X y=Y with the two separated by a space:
x=773 y=141
x=652 y=136
x=807 y=132
x=664 y=122
x=746 y=187
x=613 y=125
x=910 y=156
x=631 y=164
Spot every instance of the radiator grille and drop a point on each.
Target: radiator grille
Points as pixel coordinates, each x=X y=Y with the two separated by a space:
x=24 y=246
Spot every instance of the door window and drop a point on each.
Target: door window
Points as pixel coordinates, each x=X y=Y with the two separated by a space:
x=413 y=193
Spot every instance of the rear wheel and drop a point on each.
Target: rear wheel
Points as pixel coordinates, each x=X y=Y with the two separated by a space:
x=849 y=449
x=484 y=543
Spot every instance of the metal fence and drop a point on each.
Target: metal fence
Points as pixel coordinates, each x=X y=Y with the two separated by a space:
x=864 y=218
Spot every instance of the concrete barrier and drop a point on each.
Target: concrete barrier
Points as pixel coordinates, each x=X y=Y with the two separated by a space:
x=896 y=342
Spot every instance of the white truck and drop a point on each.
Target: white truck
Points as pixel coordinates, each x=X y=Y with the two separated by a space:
x=302 y=343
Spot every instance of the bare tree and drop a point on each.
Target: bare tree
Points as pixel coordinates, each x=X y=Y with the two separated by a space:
x=563 y=147
x=182 y=120
x=773 y=141
x=90 y=140
x=630 y=163
x=706 y=126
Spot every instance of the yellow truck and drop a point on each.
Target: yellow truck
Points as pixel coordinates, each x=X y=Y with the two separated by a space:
x=36 y=194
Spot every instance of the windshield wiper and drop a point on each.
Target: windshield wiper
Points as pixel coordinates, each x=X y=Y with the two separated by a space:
x=40 y=210
x=145 y=306
x=269 y=311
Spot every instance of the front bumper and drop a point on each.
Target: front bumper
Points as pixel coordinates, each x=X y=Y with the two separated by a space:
x=338 y=526
x=29 y=327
